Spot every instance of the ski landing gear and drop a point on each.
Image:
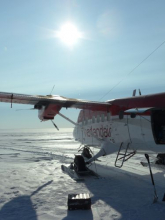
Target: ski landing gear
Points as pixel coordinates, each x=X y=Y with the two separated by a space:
x=78 y=169
x=152 y=179
x=160 y=159
x=79 y=164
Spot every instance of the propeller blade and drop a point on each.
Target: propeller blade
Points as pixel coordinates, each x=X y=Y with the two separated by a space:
x=55 y=125
x=25 y=109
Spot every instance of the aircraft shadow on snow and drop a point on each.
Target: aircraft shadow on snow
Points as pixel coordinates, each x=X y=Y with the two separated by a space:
x=118 y=192
x=21 y=207
x=124 y=196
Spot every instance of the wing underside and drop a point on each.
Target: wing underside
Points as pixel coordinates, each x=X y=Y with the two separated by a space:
x=38 y=101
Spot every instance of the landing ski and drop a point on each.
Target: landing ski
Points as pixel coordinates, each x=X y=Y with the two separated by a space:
x=77 y=176
x=72 y=173
x=153 y=164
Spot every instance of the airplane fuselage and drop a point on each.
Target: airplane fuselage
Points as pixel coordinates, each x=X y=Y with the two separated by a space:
x=143 y=128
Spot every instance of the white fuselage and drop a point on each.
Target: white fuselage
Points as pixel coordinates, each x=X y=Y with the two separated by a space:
x=104 y=127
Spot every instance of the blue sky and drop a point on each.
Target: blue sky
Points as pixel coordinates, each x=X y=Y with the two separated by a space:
x=117 y=36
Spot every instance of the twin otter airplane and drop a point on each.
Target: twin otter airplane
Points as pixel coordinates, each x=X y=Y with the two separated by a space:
x=126 y=126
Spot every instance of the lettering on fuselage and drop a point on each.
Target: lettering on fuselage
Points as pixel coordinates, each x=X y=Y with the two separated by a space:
x=98 y=132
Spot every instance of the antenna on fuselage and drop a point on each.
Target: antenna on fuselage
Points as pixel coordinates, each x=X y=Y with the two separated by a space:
x=134 y=92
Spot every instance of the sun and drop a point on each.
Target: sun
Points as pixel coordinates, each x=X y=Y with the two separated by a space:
x=69 y=34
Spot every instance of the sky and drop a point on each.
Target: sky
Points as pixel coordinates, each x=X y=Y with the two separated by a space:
x=115 y=36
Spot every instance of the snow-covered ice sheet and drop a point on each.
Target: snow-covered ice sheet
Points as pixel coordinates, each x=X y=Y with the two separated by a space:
x=33 y=187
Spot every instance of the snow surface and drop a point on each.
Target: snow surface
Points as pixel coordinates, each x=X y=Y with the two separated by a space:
x=33 y=187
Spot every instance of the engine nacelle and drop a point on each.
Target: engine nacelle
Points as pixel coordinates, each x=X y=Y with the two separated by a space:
x=48 y=112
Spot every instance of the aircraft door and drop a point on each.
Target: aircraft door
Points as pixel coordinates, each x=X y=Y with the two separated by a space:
x=135 y=131
x=147 y=130
x=154 y=127
x=119 y=130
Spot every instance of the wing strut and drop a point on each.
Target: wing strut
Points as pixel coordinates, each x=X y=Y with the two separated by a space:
x=76 y=124
x=63 y=116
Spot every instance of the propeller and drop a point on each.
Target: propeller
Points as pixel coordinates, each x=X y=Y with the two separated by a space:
x=55 y=125
x=25 y=109
x=36 y=107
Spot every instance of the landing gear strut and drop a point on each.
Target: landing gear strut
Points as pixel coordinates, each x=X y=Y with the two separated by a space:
x=152 y=179
x=86 y=152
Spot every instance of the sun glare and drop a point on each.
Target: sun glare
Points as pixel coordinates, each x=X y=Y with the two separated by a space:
x=69 y=34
